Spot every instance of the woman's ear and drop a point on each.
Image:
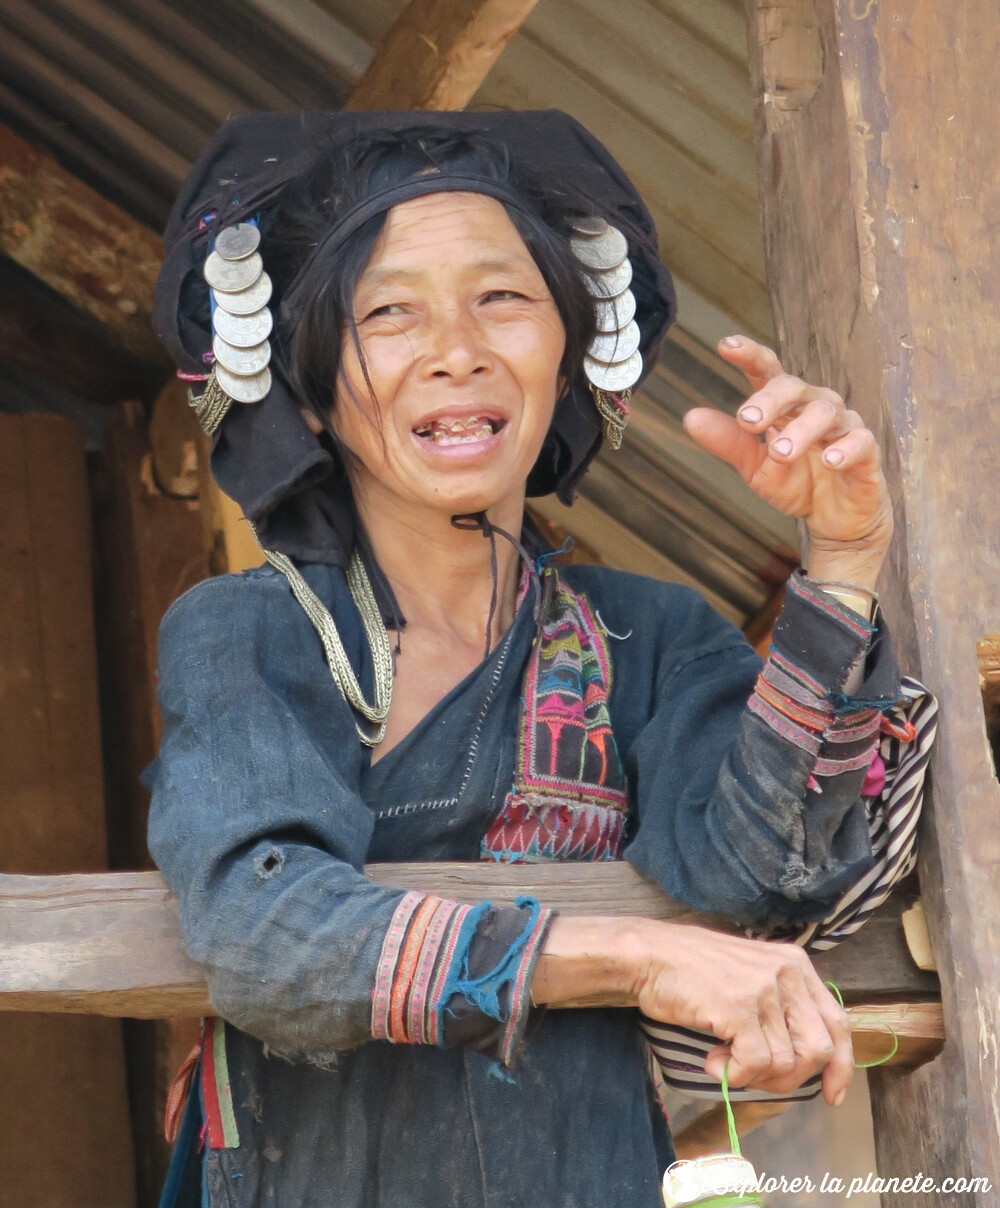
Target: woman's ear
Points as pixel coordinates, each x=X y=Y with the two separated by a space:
x=313 y=420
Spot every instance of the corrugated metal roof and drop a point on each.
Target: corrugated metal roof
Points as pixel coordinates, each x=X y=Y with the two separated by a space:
x=125 y=94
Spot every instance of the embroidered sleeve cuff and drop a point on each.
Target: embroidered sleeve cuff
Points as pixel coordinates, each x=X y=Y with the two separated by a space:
x=455 y=974
x=819 y=634
x=798 y=695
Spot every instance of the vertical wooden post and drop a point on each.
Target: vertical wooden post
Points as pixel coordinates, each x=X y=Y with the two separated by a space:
x=65 y=1137
x=879 y=186
x=152 y=546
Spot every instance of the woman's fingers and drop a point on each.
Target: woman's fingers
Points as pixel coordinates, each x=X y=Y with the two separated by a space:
x=800 y=1039
x=789 y=402
x=839 y=1071
x=748 y=1054
x=785 y=1056
x=803 y=415
x=777 y=1023
x=857 y=447
x=720 y=435
x=756 y=361
x=815 y=1043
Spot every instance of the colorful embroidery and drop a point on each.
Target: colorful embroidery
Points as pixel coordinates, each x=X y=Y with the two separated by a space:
x=417 y=1016
x=788 y=700
x=449 y=947
x=220 y=1129
x=177 y=1094
x=568 y=801
x=381 y=994
x=424 y=963
x=403 y=979
x=521 y=988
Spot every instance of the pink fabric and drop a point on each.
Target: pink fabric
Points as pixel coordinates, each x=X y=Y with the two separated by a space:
x=875 y=779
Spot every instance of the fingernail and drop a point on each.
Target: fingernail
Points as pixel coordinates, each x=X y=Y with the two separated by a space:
x=733 y=341
x=840 y=1097
x=782 y=446
x=833 y=457
x=751 y=415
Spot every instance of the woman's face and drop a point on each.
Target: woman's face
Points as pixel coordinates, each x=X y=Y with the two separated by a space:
x=462 y=342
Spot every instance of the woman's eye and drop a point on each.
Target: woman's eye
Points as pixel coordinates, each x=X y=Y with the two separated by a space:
x=502 y=295
x=390 y=308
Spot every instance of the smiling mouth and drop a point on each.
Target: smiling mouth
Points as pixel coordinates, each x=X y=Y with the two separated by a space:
x=466 y=431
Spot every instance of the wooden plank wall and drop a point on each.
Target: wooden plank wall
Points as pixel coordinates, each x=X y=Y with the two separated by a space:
x=66 y=1138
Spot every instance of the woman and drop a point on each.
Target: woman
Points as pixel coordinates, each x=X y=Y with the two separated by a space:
x=435 y=335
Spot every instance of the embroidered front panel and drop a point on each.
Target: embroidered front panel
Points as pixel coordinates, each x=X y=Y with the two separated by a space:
x=568 y=801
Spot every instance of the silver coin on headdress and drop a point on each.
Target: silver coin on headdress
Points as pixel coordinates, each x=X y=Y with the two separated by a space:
x=613 y=346
x=238 y=241
x=614 y=378
x=246 y=301
x=244 y=361
x=589 y=225
x=244 y=389
x=244 y=331
x=615 y=313
x=610 y=281
x=232 y=276
x=602 y=251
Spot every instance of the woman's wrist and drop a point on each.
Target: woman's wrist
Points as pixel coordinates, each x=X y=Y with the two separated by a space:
x=589 y=960
x=850 y=562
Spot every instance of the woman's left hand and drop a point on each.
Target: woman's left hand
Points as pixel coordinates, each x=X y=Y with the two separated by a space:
x=802 y=450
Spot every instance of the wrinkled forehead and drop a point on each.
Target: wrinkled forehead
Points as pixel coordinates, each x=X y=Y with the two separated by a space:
x=445 y=229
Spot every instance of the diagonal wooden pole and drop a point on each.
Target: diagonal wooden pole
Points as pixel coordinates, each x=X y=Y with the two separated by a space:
x=437 y=53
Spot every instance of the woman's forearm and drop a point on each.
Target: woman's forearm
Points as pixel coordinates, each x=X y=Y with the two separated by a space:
x=588 y=960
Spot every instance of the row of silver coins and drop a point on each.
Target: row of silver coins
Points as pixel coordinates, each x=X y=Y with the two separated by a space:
x=613 y=361
x=241 y=320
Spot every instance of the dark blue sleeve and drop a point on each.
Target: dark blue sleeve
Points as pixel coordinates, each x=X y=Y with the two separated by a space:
x=746 y=779
x=259 y=828
x=256 y=823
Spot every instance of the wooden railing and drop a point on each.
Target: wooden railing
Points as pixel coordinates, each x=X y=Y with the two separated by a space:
x=110 y=944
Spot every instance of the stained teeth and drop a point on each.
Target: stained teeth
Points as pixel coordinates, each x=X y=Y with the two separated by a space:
x=460 y=431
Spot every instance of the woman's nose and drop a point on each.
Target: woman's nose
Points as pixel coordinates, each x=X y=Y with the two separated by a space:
x=456 y=349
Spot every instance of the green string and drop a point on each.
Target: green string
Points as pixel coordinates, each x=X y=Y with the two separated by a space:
x=867 y=1065
x=734 y=1136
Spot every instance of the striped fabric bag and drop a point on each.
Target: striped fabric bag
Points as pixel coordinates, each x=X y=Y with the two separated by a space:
x=893 y=814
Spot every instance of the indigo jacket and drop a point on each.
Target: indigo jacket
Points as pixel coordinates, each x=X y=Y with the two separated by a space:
x=379 y=1049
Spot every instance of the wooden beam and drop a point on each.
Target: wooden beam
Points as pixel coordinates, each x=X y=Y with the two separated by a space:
x=879 y=190
x=43 y=334
x=111 y=944
x=88 y=250
x=437 y=53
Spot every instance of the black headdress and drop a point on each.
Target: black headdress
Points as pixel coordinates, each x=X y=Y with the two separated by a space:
x=290 y=483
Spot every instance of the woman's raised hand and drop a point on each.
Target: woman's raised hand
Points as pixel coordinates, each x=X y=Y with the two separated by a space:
x=800 y=448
